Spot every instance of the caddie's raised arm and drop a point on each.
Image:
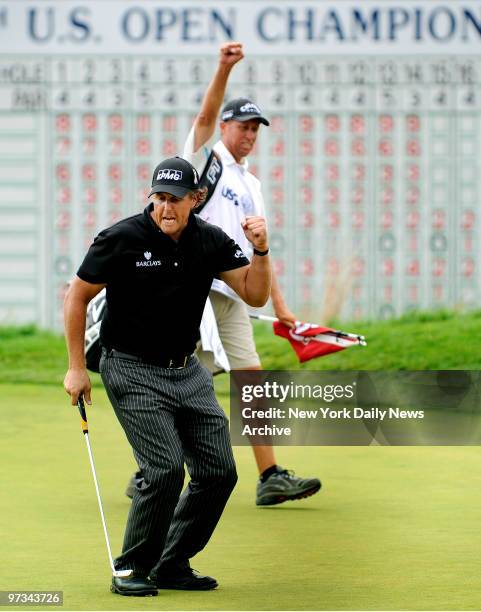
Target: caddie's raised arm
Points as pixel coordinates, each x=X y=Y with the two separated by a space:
x=204 y=125
x=253 y=282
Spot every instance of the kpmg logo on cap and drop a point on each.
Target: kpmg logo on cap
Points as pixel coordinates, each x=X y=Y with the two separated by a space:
x=250 y=108
x=167 y=174
x=227 y=115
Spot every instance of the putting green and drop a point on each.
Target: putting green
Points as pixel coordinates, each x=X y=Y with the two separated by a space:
x=393 y=528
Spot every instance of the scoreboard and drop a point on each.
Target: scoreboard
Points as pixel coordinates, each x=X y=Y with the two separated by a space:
x=370 y=168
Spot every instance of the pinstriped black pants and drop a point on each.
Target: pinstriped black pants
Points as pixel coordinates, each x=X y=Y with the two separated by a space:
x=171 y=417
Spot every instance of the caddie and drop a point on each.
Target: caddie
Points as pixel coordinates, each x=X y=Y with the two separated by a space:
x=235 y=193
x=157 y=268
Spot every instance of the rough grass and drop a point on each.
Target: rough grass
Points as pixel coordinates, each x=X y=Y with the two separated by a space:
x=442 y=340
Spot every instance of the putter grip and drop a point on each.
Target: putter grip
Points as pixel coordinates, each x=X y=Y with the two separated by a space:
x=83 y=414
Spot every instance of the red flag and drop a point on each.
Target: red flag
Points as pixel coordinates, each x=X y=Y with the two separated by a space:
x=310 y=340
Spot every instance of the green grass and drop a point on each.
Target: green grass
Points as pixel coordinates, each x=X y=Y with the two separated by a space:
x=394 y=528
x=440 y=340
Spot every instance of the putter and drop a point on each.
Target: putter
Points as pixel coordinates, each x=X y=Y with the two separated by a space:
x=85 y=429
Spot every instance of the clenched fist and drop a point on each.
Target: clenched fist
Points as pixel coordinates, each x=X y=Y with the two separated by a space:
x=255 y=231
x=231 y=53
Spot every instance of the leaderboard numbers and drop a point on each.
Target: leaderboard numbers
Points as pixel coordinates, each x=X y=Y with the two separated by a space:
x=370 y=164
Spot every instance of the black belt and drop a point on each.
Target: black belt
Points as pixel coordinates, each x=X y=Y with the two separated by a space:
x=177 y=362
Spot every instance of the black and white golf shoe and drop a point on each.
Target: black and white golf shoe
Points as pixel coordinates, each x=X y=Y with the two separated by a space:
x=283 y=486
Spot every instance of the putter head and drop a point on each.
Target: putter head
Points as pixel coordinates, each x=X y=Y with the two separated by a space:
x=122 y=573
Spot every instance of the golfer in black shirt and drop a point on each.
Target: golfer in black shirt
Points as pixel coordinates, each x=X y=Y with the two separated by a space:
x=157 y=268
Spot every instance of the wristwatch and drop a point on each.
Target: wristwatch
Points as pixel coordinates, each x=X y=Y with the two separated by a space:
x=261 y=253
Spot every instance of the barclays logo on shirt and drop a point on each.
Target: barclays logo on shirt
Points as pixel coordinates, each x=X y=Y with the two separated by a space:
x=147 y=263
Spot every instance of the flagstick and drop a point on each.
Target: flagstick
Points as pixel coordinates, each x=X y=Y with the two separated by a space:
x=360 y=339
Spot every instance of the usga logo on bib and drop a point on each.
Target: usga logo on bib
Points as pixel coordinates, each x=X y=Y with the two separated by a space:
x=168 y=174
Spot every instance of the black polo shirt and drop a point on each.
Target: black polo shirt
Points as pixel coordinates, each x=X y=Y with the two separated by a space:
x=156 y=287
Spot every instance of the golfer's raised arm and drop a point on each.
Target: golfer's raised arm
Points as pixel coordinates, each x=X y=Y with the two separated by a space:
x=205 y=122
x=79 y=294
x=253 y=282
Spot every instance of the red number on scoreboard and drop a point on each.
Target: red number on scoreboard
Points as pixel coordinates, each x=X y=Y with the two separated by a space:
x=387 y=172
x=89 y=122
x=277 y=195
x=115 y=172
x=387 y=220
x=387 y=195
x=385 y=147
x=89 y=172
x=413 y=267
x=439 y=219
x=333 y=123
x=307 y=172
x=307 y=267
x=64 y=195
x=331 y=147
x=307 y=195
x=278 y=219
x=143 y=172
x=358 y=172
x=116 y=146
x=142 y=123
x=89 y=219
x=468 y=219
x=357 y=195
x=413 y=123
x=439 y=267
x=333 y=220
x=63 y=146
x=62 y=123
x=116 y=195
x=307 y=220
x=468 y=267
x=279 y=147
x=412 y=219
x=62 y=172
x=306 y=123
x=413 y=172
x=357 y=124
x=412 y=195
x=358 y=147
x=277 y=124
x=388 y=267
x=63 y=220
x=169 y=123
x=386 y=123
x=332 y=195
x=89 y=145
x=307 y=147
x=115 y=122
x=142 y=146
x=413 y=148
x=332 y=172
x=277 y=173
x=357 y=220
x=90 y=195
